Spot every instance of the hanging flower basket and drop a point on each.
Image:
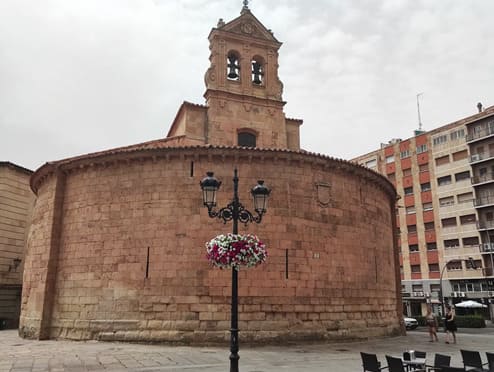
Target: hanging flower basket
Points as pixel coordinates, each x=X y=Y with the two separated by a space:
x=235 y=250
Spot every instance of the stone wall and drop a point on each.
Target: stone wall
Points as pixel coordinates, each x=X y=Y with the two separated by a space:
x=331 y=271
x=16 y=201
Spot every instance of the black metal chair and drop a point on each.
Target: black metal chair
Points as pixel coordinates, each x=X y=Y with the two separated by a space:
x=370 y=363
x=440 y=361
x=395 y=364
x=472 y=361
x=490 y=361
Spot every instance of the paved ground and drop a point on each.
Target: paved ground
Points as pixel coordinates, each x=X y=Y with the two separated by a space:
x=19 y=355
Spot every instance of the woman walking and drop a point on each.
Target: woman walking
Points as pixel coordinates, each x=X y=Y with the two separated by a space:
x=431 y=324
x=450 y=325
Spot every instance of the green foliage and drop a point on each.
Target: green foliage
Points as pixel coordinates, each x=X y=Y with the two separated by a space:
x=470 y=321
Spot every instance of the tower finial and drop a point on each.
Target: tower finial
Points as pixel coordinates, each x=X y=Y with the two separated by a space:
x=246 y=4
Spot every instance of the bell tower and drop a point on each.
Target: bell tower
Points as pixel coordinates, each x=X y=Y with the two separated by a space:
x=244 y=105
x=243 y=90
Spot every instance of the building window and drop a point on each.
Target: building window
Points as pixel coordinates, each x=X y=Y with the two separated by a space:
x=451 y=243
x=425 y=186
x=435 y=288
x=413 y=247
x=407 y=172
x=467 y=219
x=405 y=154
x=448 y=222
x=246 y=139
x=448 y=200
x=428 y=226
x=442 y=181
x=427 y=206
x=417 y=288
x=415 y=268
x=469 y=265
x=257 y=71
x=439 y=140
x=460 y=155
x=434 y=267
x=460 y=133
x=421 y=148
x=462 y=176
x=412 y=229
x=465 y=198
x=408 y=190
x=392 y=177
x=233 y=66
x=371 y=163
x=410 y=210
x=454 y=265
x=390 y=159
x=432 y=246
x=423 y=168
x=471 y=241
x=442 y=160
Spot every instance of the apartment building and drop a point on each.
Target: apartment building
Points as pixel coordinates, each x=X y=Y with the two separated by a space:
x=445 y=180
x=16 y=202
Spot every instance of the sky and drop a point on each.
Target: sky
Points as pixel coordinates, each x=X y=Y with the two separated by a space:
x=79 y=76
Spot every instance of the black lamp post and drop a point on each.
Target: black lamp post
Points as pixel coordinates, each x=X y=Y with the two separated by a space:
x=234 y=211
x=441 y=297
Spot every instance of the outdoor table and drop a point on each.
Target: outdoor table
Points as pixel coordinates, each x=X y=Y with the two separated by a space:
x=414 y=364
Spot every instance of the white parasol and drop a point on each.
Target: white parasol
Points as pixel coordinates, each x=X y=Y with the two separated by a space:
x=470 y=304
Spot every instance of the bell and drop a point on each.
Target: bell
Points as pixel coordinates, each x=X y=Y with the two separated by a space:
x=232 y=67
x=232 y=74
x=257 y=72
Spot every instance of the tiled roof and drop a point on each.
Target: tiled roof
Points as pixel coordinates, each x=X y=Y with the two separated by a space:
x=147 y=148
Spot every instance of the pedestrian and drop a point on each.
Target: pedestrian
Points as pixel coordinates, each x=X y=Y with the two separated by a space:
x=450 y=325
x=431 y=324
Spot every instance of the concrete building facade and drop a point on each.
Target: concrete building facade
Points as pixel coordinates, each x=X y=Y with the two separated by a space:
x=16 y=202
x=440 y=215
x=116 y=248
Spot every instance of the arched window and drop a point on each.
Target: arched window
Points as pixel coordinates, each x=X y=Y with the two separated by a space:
x=233 y=66
x=246 y=139
x=257 y=71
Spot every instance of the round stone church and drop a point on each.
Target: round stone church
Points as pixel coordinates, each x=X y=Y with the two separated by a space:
x=116 y=250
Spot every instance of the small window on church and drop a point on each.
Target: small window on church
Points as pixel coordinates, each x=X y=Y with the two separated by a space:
x=233 y=66
x=246 y=139
x=257 y=71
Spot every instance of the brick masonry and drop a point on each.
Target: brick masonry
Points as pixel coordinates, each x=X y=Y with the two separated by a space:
x=96 y=216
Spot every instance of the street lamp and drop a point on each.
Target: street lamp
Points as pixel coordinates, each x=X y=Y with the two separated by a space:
x=441 y=297
x=235 y=212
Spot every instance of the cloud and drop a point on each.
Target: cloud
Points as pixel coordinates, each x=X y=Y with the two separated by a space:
x=82 y=76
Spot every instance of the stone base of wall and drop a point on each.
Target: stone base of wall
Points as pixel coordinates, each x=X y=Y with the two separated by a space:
x=207 y=333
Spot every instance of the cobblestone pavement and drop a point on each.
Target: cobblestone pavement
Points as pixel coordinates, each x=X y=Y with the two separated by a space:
x=20 y=355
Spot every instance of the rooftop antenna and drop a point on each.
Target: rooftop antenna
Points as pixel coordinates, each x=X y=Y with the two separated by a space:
x=418 y=111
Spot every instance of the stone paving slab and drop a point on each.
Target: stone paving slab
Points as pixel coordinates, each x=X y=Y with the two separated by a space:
x=20 y=355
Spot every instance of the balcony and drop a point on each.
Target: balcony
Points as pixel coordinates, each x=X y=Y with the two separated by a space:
x=478 y=158
x=485 y=225
x=487 y=247
x=485 y=178
x=483 y=133
x=483 y=201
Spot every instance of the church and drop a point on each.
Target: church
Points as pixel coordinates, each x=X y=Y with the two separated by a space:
x=116 y=249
